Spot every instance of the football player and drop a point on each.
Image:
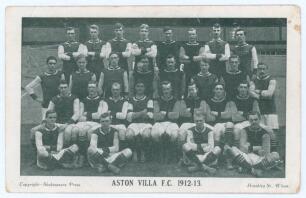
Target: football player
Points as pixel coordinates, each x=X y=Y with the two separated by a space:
x=80 y=78
x=144 y=73
x=232 y=77
x=145 y=46
x=167 y=47
x=121 y=46
x=140 y=115
x=103 y=152
x=263 y=89
x=205 y=81
x=93 y=105
x=118 y=108
x=49 y=82
x=218 y=51
x=94 y=47
x=65 y=105
x=175 y=76
x=113 y=73
x=49 y=141
x=190 y=54
x=165 y=130
x=246 y=52
x=254 y=153
x=199 y=150
x=68 y=51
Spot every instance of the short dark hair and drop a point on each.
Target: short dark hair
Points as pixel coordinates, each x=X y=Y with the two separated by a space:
x=216 y=25
x=139 y=82
x=219 y=83
x=244 y=82
x=118 y=26
x=239 y=30
x=51 y=58
x=171 y=56
x=254 y=113
x=94 y=26
x=50 y=111
x=80 y=56
x=105 y=115
x=167 y=28
x=92 y=82
x=262 y=63
x=143 y=57
x=144 y=26
x=69 y=28
x=234 y=56
x=166 y=83
x=63 y=82
x=113 y=53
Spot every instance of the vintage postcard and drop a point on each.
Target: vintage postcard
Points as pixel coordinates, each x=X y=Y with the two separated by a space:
x=153 y=99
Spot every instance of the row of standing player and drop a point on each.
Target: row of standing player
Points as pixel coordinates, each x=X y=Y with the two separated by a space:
x=187 y=54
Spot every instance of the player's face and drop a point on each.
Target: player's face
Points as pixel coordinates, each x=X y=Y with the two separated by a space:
x=199 y=121
x=204 y=66
x=105 y=122
x=240 y=37
x=52 y=65
x=116 y=91
x=168 y=35
x=192 y=35
x=219 y=91
x=234 y=64
x=70 y=35
x=145 y=64
x=81 y=62
x=93 y=34
x=192 y=91
x=243 y=90
x=144 y=33
x=254 y=121
x=216 y=32
x=262 y=70
x=118 y=33
x=92 y=89
x=51 y=119
x=113 y=60
x=166 y=90
x=170 y=63
x=140 y=88
x=63 y=88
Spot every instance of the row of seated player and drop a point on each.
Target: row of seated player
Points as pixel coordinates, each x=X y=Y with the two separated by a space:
x=97 y=52
x=251 y=149
x=262 y=88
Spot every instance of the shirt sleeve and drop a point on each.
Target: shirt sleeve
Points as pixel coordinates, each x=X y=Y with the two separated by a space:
x=30 y=87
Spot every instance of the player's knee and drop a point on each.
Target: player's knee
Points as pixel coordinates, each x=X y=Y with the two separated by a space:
x=172 y=131
x=127 y=153
x=186 y=147
x=236 y=133
x=275 y=156
x=91 y=150
x=182 y=133
x=229 y=125
x=74 y=148
x=130 y=134
x=42 y=153
x=156 y=131
x=146 y=133
x=216 y=150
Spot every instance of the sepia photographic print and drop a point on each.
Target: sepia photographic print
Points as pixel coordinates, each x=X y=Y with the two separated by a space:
x=191 y=99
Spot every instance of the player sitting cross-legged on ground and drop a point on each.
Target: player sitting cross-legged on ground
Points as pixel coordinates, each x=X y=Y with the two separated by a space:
x=140 y=114
x=254 y=154
x=165 y=130
x=49 y=141
x=103 y=152
x=200 y=152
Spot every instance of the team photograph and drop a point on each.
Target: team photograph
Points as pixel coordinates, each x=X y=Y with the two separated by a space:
x=156 y=97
